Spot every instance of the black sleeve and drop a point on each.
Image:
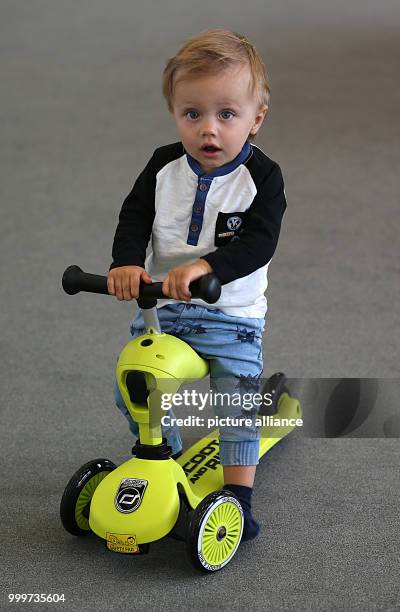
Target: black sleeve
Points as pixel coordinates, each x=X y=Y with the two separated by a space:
x=256 y=245
x=135 y=221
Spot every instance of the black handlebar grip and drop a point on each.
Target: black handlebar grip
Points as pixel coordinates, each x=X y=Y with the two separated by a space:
x=75 y=279
x=207 y=288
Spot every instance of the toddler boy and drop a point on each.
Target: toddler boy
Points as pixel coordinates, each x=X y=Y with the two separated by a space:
x=212 y=202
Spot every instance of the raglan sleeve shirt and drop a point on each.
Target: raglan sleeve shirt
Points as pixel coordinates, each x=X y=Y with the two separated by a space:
x=250 y=250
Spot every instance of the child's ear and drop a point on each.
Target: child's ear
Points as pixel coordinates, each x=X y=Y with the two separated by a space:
x=259 y=118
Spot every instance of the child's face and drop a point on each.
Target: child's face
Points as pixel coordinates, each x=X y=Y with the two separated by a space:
x=216 y=110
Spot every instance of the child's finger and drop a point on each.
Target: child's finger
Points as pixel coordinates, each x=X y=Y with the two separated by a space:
x=184 y=282
x=147 y=278
x=134 y=286
x=184 y=290
x=118 y=288
x=173 y=292
x=110 y=285
x=126 y=288
x=165 y=287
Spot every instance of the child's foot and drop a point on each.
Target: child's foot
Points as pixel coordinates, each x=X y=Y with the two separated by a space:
x=250 y=528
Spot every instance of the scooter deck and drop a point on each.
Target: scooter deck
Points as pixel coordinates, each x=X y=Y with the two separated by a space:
x=201 y=462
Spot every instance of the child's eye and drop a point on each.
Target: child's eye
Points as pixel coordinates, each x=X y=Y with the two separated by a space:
x=226 y=114
x=192 y=115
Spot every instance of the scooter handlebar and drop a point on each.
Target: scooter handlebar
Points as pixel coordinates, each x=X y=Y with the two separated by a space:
x=74 y=280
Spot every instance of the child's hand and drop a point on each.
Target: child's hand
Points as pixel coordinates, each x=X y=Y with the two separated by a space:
x=176 y=284
x=124 y=281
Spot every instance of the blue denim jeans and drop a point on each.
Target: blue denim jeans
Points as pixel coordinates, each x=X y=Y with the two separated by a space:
x=233 y=348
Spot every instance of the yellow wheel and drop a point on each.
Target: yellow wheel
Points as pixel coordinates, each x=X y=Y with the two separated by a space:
x=75 y=502
x=215 y=531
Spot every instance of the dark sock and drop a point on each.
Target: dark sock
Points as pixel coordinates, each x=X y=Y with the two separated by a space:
x=251 y=527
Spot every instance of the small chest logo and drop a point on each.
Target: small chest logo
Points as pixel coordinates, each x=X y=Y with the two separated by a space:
x=130 y=494
x=233 y=223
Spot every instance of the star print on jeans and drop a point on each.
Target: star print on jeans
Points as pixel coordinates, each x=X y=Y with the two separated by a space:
x=246 y=336
x=192 y=328
x=248 y=382
x=198 y=329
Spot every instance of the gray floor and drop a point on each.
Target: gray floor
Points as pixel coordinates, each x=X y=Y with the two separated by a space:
x=81 y=111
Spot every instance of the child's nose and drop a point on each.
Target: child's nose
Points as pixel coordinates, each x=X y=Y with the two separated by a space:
x=208 y=126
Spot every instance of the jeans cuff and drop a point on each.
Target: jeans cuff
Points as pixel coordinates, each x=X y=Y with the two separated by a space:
x=243 y=452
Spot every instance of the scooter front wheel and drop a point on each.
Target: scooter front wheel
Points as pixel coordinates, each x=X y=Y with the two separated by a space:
x=75 y=502
x=215 y=531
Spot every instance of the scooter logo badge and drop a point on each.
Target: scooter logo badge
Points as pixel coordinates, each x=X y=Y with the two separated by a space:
x=130 y=494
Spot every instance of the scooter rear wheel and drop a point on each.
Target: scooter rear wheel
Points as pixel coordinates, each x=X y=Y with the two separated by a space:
x=215 y=531
x=75 y=502
x=275 y=387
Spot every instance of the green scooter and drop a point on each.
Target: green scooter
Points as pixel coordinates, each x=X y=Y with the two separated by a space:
x=153 y=495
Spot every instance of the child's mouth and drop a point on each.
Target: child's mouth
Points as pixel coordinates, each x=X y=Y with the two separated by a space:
x=210 y=150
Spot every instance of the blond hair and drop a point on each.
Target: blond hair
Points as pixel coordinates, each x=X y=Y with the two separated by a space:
x=210 y=52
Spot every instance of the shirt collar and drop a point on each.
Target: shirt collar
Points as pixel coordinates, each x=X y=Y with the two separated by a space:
x=222 y=170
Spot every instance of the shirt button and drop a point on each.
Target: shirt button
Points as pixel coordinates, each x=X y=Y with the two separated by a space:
x=196 y=209
x=194 y=227
x=203 y=187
